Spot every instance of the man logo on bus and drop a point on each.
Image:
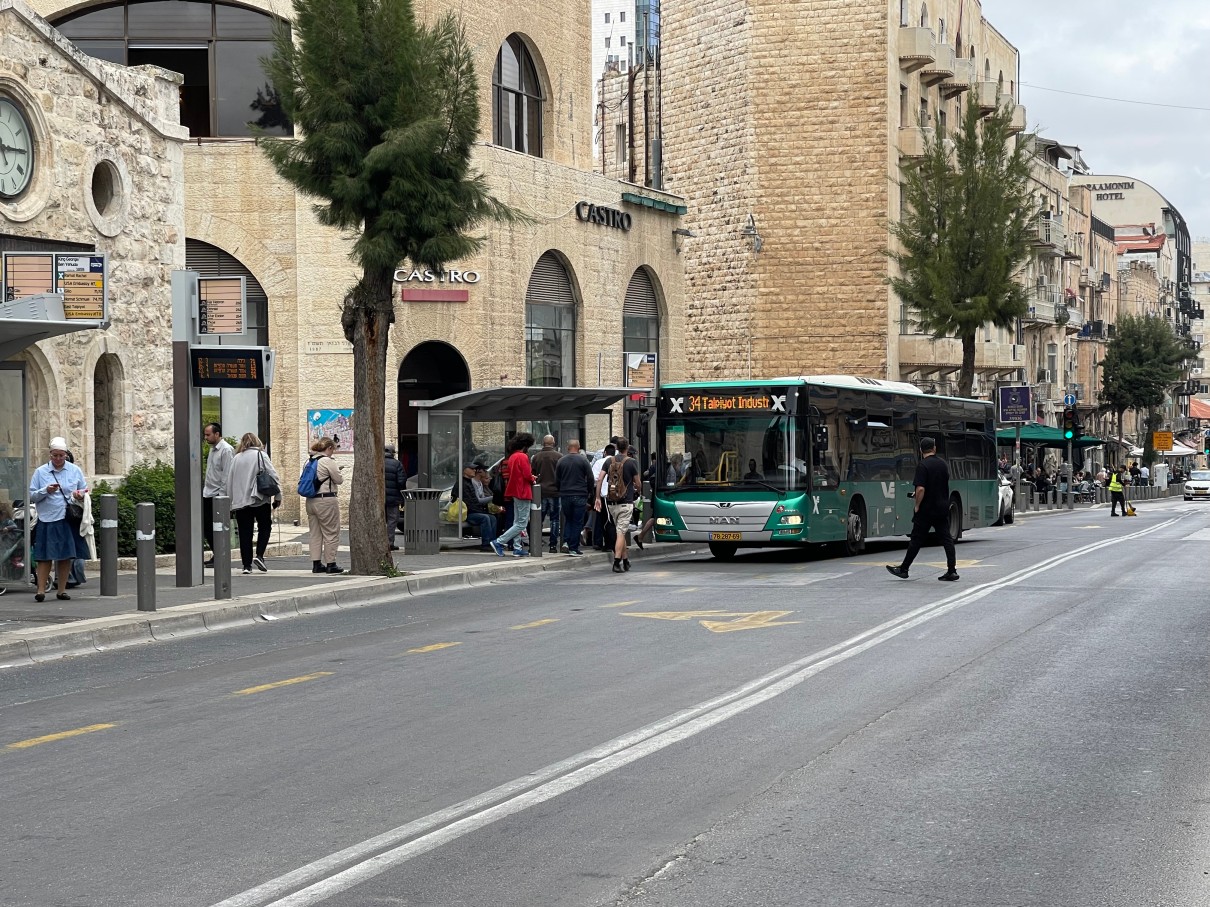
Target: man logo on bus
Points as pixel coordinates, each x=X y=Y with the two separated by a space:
x=676 y=404
x=777 y=404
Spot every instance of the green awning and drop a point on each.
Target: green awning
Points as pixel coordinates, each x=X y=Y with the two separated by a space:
x=657 y=203
x=1042 y=436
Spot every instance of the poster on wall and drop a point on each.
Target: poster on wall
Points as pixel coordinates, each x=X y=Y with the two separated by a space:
x=336 y=424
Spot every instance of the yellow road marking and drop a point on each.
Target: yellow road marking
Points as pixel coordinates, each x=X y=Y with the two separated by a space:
x=281 y=683
x=62 y=735
x=747 y=620
x=433 y=648
x=627 y=604
x=686 y=589
x=536 y=623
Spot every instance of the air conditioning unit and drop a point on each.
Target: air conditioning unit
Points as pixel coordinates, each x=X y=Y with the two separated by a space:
x=1033 y=311
x=1044 y=376
x=1196 y=371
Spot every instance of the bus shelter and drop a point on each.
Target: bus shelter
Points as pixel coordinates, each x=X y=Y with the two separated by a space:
x=475 y=425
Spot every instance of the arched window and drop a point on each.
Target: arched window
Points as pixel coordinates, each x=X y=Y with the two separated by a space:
x=641 y=330
x=216 y=48
x=924 y=15
x=987 y=70
x=942 y=37
x=108 y=416
x=550 y=325
x=516 y=99
x=905 y=14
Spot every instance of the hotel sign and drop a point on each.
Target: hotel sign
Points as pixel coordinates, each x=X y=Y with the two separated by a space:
x=1110 y=192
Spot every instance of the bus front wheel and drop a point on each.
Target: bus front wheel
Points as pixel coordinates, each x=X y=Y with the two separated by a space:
x=723 y=551
x=854 y=542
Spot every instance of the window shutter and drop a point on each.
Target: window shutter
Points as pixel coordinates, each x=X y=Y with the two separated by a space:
x=640 y=297
x=549 y=284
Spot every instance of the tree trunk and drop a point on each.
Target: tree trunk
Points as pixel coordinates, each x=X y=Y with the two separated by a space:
x=966 y=376
x=366 y=318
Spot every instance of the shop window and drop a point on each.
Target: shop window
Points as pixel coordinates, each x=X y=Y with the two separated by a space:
x=216 y=48
x=516 y=99
x=550 y=325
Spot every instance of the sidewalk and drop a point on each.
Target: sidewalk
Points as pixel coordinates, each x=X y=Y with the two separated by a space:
x=33 y=631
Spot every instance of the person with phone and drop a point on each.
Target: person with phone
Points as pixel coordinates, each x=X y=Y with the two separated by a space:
x=56 y=485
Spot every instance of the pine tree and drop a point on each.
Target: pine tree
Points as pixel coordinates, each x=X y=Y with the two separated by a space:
x=966 y=231
x=387 y=110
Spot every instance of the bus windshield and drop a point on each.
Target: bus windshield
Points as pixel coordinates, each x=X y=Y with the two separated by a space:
x=754 y=451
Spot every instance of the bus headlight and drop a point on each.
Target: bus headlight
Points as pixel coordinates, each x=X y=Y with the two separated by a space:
x=663 y=522
x=791 y=519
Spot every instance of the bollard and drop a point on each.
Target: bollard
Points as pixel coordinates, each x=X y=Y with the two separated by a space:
x=535 y=523
x=222 y=547
x=107 y=545
x=144 y=535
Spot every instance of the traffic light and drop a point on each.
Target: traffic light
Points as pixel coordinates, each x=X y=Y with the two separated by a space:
x=1206 y=445
x=1069 y=423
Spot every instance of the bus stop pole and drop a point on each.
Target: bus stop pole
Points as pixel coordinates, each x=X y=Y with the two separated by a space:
x=1071 y=477
x=535 y=521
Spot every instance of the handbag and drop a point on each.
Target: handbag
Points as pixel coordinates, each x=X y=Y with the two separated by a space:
x=75 y=510
x=266 y=485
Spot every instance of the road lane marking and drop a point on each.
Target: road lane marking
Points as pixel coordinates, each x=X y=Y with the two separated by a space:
x=536 y=623
x=746 y=620
x=281 y=683
x=340 y=871
x=62 y=735
x=433 y=648
x=625 y=604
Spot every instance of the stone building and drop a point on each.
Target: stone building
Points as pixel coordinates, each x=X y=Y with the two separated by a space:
x=107 y=176
x=562 y=301
x=784 y=128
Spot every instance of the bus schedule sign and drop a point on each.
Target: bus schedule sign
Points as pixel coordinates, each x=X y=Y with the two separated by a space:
x=727 y=404
x=1014 y=404
x=231 y=366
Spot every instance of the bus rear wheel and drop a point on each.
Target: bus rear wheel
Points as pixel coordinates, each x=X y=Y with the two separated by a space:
x=955 y=518
x=854 y=542
x=723 y=551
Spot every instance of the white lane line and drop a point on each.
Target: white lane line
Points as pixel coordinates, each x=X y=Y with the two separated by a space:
x=325 y=878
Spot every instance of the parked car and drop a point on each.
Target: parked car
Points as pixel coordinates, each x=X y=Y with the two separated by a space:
x=1198 y=484
x=1006 y=502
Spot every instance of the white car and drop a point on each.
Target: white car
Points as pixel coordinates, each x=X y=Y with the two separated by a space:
x=1006 y=502
x=1198 y=484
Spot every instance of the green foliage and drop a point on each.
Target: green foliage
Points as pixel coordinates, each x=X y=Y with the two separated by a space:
x=968 y=221
x=154 y=484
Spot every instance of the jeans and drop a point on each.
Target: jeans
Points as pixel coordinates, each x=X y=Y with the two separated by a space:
x=550 y=508
x=486 y=524
x=520 y=521
x=574 y=507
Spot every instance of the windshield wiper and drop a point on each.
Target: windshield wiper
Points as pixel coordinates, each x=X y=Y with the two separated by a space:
x=763 y=484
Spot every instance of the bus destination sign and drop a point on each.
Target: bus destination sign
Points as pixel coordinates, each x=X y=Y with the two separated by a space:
x=229 y=366
x=727 y=403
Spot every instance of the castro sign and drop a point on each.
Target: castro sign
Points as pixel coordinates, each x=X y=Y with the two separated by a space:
x=606 y=217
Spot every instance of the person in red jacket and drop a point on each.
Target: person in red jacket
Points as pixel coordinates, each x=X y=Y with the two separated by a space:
x=520 y=491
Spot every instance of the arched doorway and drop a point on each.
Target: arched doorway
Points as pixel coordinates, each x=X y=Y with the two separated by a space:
x=108 y=416
x=429 y=371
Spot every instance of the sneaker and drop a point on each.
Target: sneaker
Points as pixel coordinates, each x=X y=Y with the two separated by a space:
x=498 y=548
x=576 y=553
x=208 y=563
x=617 y=566
x=626 y=564
x=950 y=577
x=563 y=547
x=259 y=564
x=554 y=550
x=247 y=571
x=898 y=571
x=520 y=553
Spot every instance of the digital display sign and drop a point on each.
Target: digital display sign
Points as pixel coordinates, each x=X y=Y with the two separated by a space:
x=726 y=403
x=229 y=366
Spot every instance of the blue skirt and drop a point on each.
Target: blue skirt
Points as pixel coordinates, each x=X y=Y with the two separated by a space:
x=58 y=541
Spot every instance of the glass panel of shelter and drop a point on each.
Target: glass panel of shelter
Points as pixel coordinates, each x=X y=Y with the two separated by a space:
x=15 y=473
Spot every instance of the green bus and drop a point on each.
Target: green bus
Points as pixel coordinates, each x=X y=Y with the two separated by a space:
x=809 y=460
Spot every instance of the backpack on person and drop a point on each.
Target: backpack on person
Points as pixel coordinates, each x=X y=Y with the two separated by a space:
x=615 y=490
x=308 y=482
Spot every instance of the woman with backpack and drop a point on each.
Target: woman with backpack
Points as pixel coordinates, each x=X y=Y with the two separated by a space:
x=520 y=490
x=323 y=507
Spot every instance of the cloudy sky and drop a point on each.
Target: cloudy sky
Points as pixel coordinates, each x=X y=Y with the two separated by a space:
x=1156 y=52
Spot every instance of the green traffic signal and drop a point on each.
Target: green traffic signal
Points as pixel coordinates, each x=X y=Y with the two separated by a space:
x=1069 y=424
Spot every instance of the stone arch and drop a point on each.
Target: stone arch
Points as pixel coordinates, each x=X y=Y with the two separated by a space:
x=108 y=416
x=577 y=306
x=113 y=359
x=239 y=243
x=42 y=397
x=428 y=371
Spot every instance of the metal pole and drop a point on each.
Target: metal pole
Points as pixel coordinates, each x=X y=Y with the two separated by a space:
x=222 y=547
x=187 y=428
x=144 y=535
x=1071 y=477
x=107 y=543
x=535 y=521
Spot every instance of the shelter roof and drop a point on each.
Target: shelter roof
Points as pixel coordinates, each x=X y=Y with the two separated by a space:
x=496 y=404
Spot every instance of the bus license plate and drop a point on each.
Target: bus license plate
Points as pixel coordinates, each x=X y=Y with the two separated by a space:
x=726 y=536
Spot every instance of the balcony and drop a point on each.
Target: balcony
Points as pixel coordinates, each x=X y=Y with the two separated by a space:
x=920 y=351
x=987 y=96
x=1088 y=278
x=941 y=68
x=963 y=78
x=1073 y=247
x=917 y=48
x=914 y=140
x=1049 y=234
x=1018 y=123
x=1043 y=307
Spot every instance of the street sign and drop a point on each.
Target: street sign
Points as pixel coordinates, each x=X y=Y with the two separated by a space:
x=1161 y=440
x=80 y=280
x=1014 y=404
x=1069 y=400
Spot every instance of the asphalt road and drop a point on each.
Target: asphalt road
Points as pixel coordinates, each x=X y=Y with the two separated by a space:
x=784 y=729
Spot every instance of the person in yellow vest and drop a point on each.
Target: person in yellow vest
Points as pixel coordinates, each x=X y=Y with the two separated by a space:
x=1117 y=491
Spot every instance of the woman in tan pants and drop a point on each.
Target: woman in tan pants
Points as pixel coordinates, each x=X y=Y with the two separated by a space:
x=323 y=510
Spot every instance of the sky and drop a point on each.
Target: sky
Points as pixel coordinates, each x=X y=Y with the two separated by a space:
x=1156 y=52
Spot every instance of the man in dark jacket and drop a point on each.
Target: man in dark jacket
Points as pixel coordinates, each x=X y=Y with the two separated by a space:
x=543 y=464
x=395 y=481
x=573 y=474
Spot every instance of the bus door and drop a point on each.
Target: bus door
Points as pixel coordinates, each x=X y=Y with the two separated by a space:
x=907 y=456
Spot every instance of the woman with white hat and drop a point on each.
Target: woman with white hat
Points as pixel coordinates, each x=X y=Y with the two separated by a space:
x=54 y=485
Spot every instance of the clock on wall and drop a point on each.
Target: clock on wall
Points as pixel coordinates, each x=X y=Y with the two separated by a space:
x=16 y=149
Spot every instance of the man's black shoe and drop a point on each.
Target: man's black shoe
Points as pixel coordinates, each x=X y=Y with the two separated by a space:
x=950 y=577
x=208 y=563
x=617 y=566
x=898 y=571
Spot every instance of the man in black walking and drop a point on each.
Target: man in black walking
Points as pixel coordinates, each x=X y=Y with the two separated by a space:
x=932 y=510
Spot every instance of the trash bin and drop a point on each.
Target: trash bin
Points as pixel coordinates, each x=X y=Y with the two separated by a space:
x=420 y=521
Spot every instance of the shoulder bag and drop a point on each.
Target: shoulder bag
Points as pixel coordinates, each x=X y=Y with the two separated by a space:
x=266 y=485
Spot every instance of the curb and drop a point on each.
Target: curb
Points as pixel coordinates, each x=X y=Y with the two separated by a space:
x=103 y=634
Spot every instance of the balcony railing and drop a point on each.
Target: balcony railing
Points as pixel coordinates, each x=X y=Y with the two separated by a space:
x=917 y=47
x=1043 y=306
x=963 y=78
x=1050 y=234
x=913 y=140
x=941 y=68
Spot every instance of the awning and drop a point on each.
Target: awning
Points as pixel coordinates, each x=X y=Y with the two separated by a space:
x=1178 y=450
x=1199 y=409
x=1043 y=436
x=500 y=404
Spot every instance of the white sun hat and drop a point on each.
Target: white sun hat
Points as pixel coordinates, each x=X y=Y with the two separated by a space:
x=59 y=444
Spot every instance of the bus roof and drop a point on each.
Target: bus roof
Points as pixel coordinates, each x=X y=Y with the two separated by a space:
x=899 y=387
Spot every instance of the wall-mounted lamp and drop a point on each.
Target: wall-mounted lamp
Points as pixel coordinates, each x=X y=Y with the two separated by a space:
x=679 y=235
x=749 y=231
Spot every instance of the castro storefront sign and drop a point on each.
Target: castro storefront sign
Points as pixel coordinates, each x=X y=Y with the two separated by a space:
x=606 y=217
x=413 y=293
